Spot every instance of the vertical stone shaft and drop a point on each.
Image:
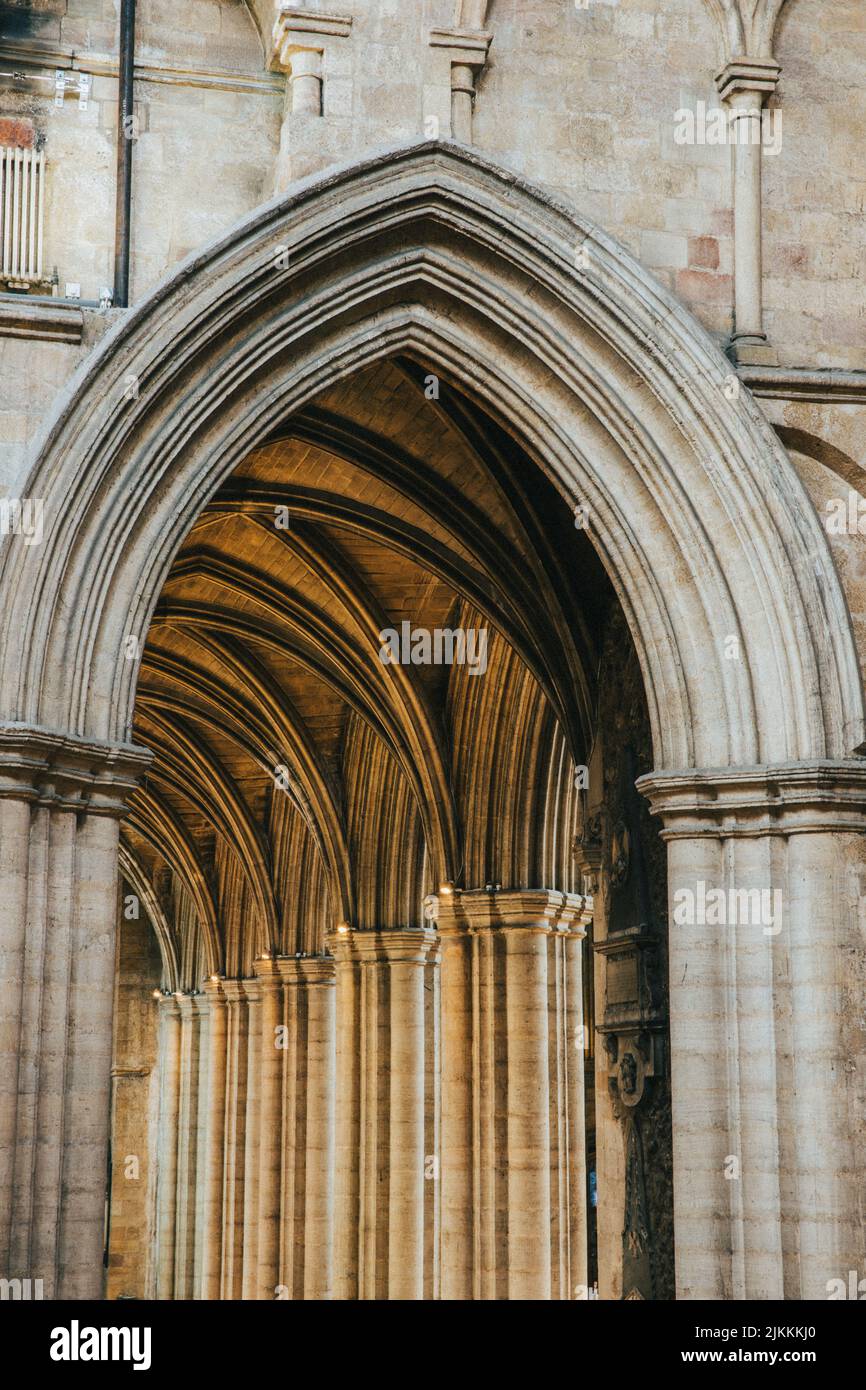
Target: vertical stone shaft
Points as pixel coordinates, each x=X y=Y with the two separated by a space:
x=381 y=1111
x=211 y=1280
x=347 y=1193
x=15 y=818
x=187 y=1146
x=202 y=1117
x=462 y=97
x=513 y=1165
x=270 y=1055
x=321 y=1097
x=59 y=811
x=167 y=1147
x=236 y=1088
x=575 y=1156
x=406 y=1136
x=456 y=1173
x=528 y=1115
x=765 y=869
x=748 y=289
x=305 y=81
x=251 y=1138
x=744 y=84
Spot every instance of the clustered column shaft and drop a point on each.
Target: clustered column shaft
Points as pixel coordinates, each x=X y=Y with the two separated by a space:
x=513 y=1171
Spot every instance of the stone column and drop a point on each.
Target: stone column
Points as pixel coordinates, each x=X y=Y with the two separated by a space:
x=270 y=1064
x=316 y=988
x=188 y=1175
x=308 y=1104
x=745 y=85
x=381 y=1111
x=60 y=802
x=212 y=1216
x=252 y=1140
x=201 y=1120
x=513 y=1172
x=237 y=1040
x=305 y=81
x=167 y=1143
x=767 y=965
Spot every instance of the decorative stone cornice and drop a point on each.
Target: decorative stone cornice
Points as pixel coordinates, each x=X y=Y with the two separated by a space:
x=830 y=386
x=43 y=320
x=528 y=909
x=52 y=769
x=770 y=799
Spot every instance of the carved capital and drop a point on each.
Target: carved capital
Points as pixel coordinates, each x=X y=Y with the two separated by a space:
x=750 y=78
x=407 y=945
x=527 y=909
x=792 y=798
x=297 y=28
x=71 y=774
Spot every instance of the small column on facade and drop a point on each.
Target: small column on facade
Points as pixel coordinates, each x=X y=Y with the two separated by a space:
x=745 y=84
x=305 y=45
x=513 y=1195
x=60 y=803
x=467 y=53
x=765 y=874
x=382 y=1079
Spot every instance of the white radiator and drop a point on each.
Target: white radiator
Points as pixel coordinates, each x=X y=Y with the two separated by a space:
x=22 y=217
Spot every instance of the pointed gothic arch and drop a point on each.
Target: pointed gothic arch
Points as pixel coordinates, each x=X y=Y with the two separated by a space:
x=434 y=252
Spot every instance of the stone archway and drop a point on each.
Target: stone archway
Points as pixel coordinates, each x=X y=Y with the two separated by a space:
x=722 y=570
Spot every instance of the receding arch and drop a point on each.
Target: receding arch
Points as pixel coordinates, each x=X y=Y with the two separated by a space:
x=432 y=252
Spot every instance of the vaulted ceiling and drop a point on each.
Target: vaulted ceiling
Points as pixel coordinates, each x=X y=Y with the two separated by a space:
x=299 y=780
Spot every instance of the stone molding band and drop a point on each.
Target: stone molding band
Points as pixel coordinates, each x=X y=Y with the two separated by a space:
x=812 y=797
x=535 y=910
x=67 y=773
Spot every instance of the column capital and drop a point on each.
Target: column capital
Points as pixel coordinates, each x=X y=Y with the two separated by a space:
x=295 y=970
x=187 y=1004
x=820 y=795
x=297 y=29
x=388 y=945
x=533 y=909
x=234 y=991
x=69 y=773
x=752 y=77
x=168 y=1004
x=467 y=47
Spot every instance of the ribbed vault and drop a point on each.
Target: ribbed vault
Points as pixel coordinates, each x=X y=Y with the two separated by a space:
x=299 y=779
